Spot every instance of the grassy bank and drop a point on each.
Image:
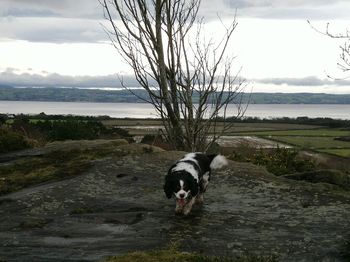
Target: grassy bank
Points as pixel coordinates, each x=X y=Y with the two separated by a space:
x=173 y=255
x=58 y=161
x=323 y=140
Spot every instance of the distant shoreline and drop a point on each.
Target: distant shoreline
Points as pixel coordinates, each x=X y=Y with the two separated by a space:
x=145 y=110
x=51 y=94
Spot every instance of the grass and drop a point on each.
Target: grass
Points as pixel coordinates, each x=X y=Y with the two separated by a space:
x=312 y=142
x=309 y=137
x=173 y=255
x=58 y=164
x=81 y=210
x=10 y=141
x=131 y=125
x=305 y=133
x=345 y=152
x=34 y=170
x=321 y=144
x=55 y=165
x=320 y=139
x=279 y=161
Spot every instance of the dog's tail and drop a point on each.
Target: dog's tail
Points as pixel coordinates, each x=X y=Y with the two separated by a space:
x=217 y=161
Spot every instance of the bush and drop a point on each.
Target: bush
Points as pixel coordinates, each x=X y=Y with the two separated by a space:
x=156 y=140
x=69 y=129
x=280 y=161
x=3 y=119
x=10 y=141
x=123 y=133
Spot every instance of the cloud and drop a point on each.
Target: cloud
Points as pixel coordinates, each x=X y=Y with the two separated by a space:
x=277 y=9
x=52 y=29
x=279 y=3
x=63 y=21
x=93 y=10
x=11 y=77
x=305 y=81
x=67 y=21
x=63 y=8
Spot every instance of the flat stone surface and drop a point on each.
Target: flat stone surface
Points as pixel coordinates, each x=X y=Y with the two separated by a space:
x=119 y=206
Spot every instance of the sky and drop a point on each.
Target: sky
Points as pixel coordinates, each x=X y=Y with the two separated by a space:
x=62 y=43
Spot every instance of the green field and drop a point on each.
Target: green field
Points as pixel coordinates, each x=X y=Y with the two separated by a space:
x=320 y=140
x=313 y=142
x=338 y=152
x=303 y=132
x=308 y=137
x=151 y=126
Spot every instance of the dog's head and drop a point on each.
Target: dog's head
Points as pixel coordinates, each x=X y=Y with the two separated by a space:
x=181 y=184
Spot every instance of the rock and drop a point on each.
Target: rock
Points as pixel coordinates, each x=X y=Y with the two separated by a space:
x=63 y=146
x=69 y=145
x=343 y=138
x=102 y=213
x=329 y=176
x=137 y=149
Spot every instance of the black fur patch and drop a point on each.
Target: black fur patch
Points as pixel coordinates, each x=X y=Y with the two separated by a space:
x=200 y=162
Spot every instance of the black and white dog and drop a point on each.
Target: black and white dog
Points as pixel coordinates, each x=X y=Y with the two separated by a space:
x=189 y=177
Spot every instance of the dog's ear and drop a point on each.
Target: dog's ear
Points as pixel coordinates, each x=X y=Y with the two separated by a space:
x=167 y=187
x=193 y=187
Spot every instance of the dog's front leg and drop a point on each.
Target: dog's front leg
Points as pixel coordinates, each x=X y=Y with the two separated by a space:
x=187 y=209
x=179 y=208
x=200 y=199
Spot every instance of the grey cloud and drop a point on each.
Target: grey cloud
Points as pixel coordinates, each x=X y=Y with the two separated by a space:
x=62 y=8
x=17 y=12
x=78 y=20
x=12 y=78
x=279 y=3
x=277 y=9
x=306 y=81
x=9 y=77
x=57 y=30
x=93 y=10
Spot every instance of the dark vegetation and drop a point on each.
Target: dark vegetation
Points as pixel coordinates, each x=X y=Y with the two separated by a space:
x=23 y=131
x=11 y=141
x=172 y=254
x=34 y=170
x=124 y=96
x=318 y=121
x=156 y=140
x=54 y=164
x=278 y=161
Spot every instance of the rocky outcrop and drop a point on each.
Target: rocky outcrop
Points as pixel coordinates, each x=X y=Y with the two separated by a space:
x=119 y=206
x=329 y=176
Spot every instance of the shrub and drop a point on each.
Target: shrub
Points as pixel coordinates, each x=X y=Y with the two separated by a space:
x=279 y=161
x=3 y=119
x=157 y=140
x=10 y=141
x=70 y=129
x=174 y=255
x=121 y=132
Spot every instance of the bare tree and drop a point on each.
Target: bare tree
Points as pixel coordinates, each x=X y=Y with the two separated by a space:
x=344 y=64
x=163 y=43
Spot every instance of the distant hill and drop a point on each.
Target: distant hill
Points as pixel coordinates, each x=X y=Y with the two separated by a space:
x=124 y=96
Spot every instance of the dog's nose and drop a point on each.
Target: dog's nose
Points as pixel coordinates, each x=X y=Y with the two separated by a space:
x=182 y=195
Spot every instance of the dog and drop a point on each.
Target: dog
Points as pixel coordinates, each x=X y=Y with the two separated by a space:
x=188 y=179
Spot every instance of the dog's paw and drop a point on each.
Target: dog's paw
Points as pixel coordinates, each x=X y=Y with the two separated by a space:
x=186 y=212
x=179 y=210
x=200 y=200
